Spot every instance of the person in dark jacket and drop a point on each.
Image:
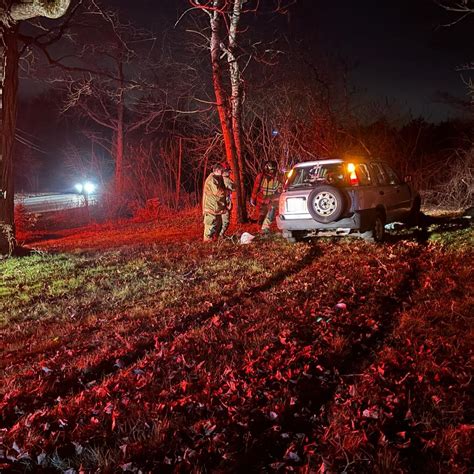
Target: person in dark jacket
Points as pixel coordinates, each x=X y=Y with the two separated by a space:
x=266 y=188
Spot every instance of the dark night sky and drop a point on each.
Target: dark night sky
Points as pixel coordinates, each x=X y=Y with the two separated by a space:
x=399 y=49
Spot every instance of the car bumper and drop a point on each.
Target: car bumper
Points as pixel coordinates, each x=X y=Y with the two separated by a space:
x=351 y=223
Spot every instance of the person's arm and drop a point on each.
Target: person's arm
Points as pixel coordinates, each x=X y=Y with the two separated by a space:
x=229 y=184
x=256 y=188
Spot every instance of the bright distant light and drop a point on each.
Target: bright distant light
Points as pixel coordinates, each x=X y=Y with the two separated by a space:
x=89 y=187
x=85 y=188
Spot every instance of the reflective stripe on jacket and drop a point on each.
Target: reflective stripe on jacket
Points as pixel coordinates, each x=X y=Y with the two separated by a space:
x=264 y=188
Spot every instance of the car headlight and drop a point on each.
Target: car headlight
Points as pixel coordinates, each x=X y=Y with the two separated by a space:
x=89 y=187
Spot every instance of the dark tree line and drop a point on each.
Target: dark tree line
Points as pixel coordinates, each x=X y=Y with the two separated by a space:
x=148 y=113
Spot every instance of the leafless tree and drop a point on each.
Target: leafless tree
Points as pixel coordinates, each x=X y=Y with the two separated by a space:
x=462 y=10
x=229 y=58
x=224 y=17
x=11 y=13
x=300 y=112
x=108 y=80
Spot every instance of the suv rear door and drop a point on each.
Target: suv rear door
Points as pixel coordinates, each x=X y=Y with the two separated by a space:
x=393 y=194
x=386 y=194
x=404 y=195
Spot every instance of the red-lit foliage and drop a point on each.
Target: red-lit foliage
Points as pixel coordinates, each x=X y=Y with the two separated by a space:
x=343 y=357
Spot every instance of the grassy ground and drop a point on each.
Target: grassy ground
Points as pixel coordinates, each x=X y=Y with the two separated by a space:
x=137 y=347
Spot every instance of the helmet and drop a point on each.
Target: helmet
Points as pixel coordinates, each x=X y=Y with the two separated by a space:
x=270 y=166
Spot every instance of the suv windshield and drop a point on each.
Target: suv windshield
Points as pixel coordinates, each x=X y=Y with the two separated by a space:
x=317 y=174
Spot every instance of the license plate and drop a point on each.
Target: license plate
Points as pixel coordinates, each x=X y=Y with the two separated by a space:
x=296 y=205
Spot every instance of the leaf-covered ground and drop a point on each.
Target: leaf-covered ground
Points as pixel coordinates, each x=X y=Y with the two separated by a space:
x=139 y=348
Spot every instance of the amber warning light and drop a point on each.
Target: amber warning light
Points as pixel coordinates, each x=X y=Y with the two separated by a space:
x=351 y=169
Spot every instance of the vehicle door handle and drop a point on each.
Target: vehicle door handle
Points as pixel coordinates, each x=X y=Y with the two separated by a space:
x=381 y=193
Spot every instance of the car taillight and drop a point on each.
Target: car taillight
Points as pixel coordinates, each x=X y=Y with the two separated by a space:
x=353 y=179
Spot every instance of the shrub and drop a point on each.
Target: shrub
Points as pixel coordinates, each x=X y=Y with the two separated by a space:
x=456 y=190
x=147 y=212
x=24 y=221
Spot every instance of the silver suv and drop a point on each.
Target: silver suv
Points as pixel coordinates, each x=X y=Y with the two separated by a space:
x=345 y=196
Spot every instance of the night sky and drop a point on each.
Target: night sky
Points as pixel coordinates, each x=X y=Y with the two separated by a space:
x=398 y=50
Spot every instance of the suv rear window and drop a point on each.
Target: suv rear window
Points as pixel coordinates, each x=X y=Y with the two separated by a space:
x=318 y=174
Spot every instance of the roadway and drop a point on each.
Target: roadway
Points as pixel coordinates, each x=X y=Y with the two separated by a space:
x=47 y=202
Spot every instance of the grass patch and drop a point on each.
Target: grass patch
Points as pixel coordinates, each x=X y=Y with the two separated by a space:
x=456 y=240
x=164 y=354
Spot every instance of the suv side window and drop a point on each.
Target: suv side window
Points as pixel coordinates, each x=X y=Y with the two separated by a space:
x=392 y=176
x=377 y=174
x=363 y=174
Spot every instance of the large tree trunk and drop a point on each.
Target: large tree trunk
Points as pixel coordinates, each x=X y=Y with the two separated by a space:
x=9 y=57
x=223 y=107
x=8 y=90
x=236 y=99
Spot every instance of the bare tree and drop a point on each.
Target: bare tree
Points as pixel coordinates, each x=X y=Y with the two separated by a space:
x=301 y=111
x=462 y=9
x=224 y=17
x=11 y=13
x=109 y=82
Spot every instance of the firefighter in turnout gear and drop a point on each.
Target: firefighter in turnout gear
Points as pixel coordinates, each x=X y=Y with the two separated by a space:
x=266 y=188
x=229 y=187
x=214 y=203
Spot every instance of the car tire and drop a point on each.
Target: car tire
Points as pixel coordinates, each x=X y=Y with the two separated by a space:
x=326 y=204
x=377 y=233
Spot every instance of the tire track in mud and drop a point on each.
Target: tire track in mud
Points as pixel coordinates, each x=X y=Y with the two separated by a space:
x=403 y=291
x=387 y=306
x=360 y=356
x=24 y=404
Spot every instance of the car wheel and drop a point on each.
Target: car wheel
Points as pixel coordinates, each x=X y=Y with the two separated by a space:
x=377 y=233
x=326 y=204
